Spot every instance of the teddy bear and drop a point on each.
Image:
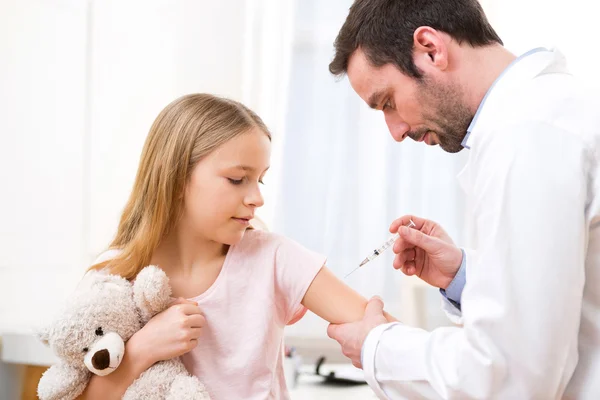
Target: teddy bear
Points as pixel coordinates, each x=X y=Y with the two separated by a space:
x=89 y=336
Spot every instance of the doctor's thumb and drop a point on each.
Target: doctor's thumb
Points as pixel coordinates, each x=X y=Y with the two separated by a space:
x=374 y=306
x=332 y=331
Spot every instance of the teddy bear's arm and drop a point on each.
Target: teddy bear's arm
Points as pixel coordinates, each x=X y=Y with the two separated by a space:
x=62 y=382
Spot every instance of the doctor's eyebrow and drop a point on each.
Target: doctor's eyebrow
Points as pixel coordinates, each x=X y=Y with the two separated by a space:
x=375 y=99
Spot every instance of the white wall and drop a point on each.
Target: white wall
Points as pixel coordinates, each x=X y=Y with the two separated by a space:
x=80 y=85
x=142 y=59
x=570 y=26
x=42 y=125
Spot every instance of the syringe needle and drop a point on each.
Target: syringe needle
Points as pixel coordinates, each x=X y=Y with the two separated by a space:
x=351 y=272
x=381 y=248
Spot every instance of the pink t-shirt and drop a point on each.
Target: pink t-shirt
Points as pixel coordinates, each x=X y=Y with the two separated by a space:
x=258 y=292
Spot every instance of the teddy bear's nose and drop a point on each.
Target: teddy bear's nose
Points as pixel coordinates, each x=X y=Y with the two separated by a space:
x=101 y=359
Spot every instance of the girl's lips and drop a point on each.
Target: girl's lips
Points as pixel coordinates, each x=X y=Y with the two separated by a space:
x=242 y=221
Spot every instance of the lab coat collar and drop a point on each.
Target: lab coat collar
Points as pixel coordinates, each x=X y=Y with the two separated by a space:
x=523 y=68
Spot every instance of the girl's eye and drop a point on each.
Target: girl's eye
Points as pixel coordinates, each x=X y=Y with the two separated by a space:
x=236 y=181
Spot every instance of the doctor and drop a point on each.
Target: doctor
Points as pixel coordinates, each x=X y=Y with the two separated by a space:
x=528 y=300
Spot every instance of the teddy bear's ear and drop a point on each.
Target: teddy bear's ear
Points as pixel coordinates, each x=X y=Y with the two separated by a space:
x=151 y=292
x=43 y=335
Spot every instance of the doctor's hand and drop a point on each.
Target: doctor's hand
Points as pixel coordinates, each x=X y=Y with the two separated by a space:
x=351 y=336
x=426 y=251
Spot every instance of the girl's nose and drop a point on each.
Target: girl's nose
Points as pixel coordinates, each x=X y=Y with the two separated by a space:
x=255 y=198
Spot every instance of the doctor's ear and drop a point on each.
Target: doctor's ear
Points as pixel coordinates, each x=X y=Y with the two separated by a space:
x=430 y=49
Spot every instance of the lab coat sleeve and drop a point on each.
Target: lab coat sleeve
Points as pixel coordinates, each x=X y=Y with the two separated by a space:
x=390 y=339
x=521 y=307
x=452 y=313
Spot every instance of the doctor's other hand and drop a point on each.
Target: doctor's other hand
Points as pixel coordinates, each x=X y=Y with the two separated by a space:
x=351 y=336
x=426 y=251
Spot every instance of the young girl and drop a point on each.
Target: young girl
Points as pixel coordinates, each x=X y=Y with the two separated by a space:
x=194 y=197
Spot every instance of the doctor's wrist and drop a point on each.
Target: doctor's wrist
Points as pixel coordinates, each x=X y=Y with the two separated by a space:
x=456 y=261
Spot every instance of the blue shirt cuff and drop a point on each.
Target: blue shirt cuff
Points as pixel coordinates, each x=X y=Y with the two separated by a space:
x=454 y=290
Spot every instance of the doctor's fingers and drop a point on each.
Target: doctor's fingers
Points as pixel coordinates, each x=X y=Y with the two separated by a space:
x=405 y=221
x=333 y=331
x=406 y=255
x=408 y=268
x=401 y=245
x=342 y=333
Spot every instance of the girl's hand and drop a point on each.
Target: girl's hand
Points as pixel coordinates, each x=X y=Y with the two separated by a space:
x=170 y=333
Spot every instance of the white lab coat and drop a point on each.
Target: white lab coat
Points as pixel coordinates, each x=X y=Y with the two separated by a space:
x=531 y=306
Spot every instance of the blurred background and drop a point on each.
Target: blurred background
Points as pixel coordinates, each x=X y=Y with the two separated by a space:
x=82 y=81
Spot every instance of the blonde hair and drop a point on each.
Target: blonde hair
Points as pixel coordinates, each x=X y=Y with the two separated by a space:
x=185 y=131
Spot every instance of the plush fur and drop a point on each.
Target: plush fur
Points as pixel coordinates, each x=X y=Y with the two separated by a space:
x=90 y=333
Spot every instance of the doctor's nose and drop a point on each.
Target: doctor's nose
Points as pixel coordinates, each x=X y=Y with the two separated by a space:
x=398 y=129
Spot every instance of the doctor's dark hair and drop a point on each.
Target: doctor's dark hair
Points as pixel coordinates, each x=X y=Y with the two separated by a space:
x=384 y=30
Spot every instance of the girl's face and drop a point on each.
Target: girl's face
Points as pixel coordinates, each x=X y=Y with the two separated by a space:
x=224 y=188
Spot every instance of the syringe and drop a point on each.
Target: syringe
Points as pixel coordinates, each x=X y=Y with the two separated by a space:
x=381 y=248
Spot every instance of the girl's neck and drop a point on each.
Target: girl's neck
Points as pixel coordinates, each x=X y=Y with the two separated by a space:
x=187 y=252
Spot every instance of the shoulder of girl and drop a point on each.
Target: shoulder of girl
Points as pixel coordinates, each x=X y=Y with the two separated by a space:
x=264 y=239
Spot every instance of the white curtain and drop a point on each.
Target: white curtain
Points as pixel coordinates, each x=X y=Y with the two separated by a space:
x=266 y=69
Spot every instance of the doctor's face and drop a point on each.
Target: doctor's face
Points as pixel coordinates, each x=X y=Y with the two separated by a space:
x=424 y=110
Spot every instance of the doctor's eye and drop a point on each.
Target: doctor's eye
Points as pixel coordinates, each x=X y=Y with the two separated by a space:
x=99 y=332
x=387 y=105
